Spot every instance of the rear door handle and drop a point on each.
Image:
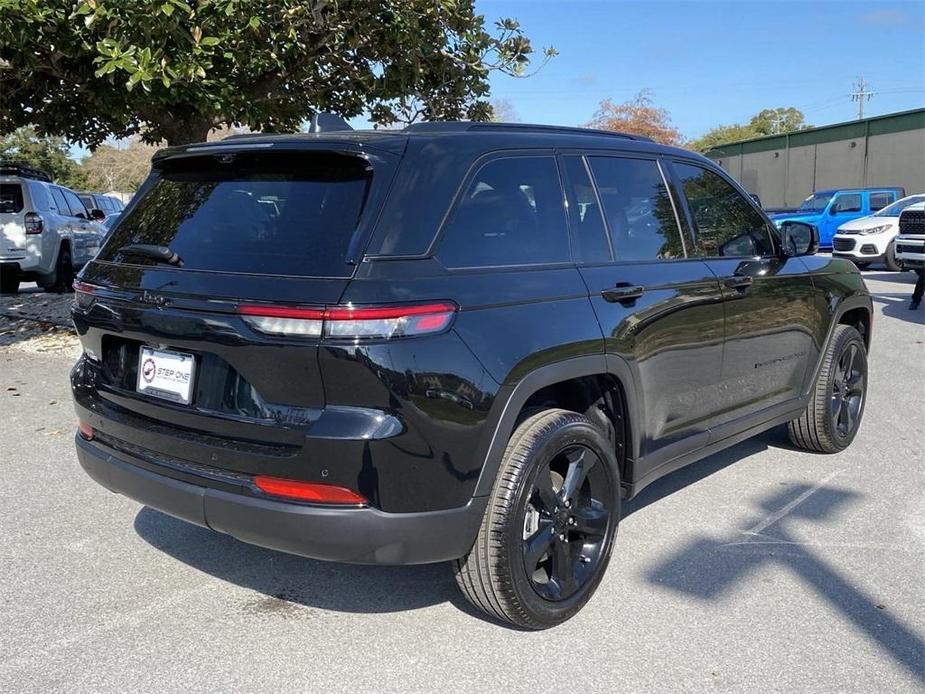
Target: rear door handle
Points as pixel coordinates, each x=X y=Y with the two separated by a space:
x=740 y=282
x=625 y=295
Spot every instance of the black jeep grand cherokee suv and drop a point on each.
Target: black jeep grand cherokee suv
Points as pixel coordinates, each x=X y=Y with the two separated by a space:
x=460 y=341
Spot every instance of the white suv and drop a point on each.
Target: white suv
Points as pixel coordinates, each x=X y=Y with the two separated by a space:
x=46 y=233
x=871 y=239
x=910 y=243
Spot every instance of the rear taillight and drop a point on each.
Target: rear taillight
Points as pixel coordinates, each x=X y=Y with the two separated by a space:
x=351 y=322
x=308 y=491
x=85 y=430
x=34 y=223
x=83 y=294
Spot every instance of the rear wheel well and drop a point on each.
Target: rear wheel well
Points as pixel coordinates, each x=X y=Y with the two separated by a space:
x=600 y=398
x=859 y=319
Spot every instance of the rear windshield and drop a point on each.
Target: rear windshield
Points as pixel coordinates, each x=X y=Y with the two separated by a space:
x=266 y=213
x=10 y=198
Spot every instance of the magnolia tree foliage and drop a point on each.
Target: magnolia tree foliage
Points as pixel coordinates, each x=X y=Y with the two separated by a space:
x=172 y=70
x=638 y=116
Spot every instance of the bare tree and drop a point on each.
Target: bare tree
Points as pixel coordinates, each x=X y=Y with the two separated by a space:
x=503 y=111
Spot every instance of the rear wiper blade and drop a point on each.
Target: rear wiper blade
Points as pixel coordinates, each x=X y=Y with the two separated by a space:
x=161 y=254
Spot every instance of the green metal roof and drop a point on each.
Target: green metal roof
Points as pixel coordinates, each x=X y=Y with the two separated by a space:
x=878 y=125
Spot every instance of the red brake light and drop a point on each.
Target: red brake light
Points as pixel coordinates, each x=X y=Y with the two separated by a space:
x=308 y=491
x=85 y=430
x=34 y=223
x=354 y=322
x=83 y=294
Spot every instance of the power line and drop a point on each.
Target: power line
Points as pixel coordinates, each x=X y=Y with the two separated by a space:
x=861 y=96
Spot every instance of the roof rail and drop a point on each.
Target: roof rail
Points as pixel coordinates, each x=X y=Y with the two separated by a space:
x=469 y=126
x=15 y=168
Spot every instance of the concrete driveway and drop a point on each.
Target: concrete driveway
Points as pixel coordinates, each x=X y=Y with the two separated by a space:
x=758 y=569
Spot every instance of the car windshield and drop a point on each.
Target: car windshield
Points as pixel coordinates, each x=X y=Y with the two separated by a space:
x=270 y=213
x=815 y=202
x=898 y=206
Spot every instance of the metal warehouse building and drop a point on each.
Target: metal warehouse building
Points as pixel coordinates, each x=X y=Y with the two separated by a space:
x=784 y=169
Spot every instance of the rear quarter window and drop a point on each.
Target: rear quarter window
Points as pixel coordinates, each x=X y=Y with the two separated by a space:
x=267 y=213
x=41 y=200
x=11 y=198
x=511 y=213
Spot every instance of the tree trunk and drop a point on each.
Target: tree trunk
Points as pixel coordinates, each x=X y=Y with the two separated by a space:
x=185 y=132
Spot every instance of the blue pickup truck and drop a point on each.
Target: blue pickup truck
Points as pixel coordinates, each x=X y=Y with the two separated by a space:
x=829 y=209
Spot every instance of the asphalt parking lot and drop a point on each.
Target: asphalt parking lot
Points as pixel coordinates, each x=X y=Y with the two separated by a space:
x=758 y=569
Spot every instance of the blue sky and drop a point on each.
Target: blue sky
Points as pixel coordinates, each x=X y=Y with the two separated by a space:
x=711 y=63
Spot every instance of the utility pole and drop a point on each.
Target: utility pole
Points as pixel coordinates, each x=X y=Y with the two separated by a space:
x=861 y=95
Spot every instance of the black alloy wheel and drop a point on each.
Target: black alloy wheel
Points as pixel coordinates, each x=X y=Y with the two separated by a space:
x=565 y=522
x=848 y=390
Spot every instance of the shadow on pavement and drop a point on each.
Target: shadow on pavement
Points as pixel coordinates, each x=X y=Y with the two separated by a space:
x=286 y=578
x=33 y=312
x=709 y=567
x=367 y=589
x=896 y=305
x=693 y=473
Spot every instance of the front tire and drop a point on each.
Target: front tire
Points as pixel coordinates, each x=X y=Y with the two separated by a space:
x=548 y=532
x=833 y=416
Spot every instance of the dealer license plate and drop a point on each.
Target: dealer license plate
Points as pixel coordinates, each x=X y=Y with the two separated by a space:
x=165 y=374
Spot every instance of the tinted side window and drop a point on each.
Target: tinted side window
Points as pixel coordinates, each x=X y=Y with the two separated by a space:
x=11 y=200
x=637 y=208
x=880 y=200
x=511 y=213
x=60 y=202
x=725 y=222
x=74 y=203
x=589 y=236
x=847 y=202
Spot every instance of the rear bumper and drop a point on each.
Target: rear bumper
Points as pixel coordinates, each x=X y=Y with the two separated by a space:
x=352 y=535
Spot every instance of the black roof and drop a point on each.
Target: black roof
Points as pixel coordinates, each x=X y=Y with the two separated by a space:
x=477 y=135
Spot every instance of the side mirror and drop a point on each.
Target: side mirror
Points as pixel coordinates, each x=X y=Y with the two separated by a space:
x=97 y=215
x=798 y=238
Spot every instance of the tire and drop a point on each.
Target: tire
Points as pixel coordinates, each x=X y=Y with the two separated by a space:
x=9 y=282
x=64 y=272
x=555 y=506
x=889 y=258
x=833 y=416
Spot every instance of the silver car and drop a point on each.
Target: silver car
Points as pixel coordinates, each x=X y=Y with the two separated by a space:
x=46 y=232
